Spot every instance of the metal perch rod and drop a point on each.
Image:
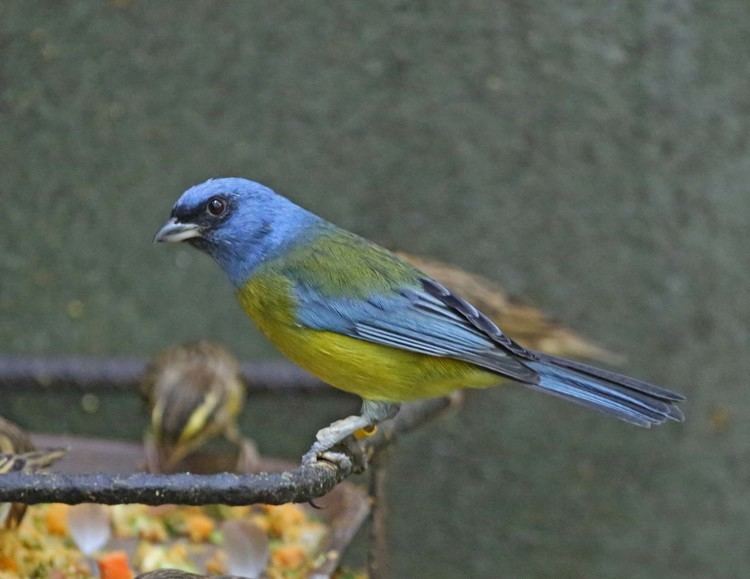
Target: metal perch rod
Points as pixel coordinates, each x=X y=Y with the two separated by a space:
x=21 y=373
x=299 y=485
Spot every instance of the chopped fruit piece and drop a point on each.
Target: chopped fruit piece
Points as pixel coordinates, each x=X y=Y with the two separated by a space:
x=199 y=527
x=56 y=519
x=114 y=566
x=288 y=557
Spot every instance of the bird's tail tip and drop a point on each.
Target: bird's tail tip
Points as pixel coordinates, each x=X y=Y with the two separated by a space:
x=626 y=398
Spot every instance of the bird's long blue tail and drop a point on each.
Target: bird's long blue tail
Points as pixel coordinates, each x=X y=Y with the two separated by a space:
x=626 y=398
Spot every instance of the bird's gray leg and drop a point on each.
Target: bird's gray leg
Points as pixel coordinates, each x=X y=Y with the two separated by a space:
x=372 y=413
x=232 y=434
x=153 y=464
x=248 y=458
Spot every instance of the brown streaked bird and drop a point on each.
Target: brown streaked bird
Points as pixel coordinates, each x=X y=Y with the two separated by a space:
x=17 y=453
x=524 y=323
x=13 y=440
x=32 y=461
x=194 y=392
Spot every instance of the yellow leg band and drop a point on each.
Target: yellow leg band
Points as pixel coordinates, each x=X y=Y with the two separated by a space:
x=365 y=432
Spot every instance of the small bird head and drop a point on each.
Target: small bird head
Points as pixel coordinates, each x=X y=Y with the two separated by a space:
x=238 y=222
x=194 y=392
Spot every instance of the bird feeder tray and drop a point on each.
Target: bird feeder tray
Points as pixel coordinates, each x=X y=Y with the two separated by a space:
x=343 y=510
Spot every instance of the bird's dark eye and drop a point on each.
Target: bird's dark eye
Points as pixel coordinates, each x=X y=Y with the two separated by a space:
x=216 y=206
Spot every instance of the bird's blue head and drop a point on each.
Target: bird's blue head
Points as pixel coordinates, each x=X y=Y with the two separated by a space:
x=240 y=223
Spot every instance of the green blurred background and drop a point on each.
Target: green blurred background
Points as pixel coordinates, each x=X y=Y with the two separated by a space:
x=589 y=155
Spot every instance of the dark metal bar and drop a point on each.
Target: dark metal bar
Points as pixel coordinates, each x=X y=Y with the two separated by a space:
x=93 y=374
x=302 y=484
x=299 y=485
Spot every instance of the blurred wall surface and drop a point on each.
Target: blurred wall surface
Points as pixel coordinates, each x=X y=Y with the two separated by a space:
x=592 y=156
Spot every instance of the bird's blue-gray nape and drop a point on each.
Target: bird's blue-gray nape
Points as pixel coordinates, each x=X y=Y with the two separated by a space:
x=258 y=225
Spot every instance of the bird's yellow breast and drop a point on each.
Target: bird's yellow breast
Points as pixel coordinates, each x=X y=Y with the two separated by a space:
x=369 y=370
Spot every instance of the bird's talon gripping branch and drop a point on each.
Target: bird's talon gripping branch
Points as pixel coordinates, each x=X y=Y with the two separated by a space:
x=312 y=455
x=372 y=413
x=316 y=454
x=340 y=460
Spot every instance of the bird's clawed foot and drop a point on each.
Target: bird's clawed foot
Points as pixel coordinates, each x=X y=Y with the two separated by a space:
x=340 y=460
x=351 y=457
x=340 y=433
x=321 y=451
x=331 y=435
x=312 y=456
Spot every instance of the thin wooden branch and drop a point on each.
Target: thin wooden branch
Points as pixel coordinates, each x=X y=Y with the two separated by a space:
x=302 y=484
x=377 y=556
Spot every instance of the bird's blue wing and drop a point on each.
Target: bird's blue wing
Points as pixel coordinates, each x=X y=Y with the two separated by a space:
x=426 y=319
x=431 y=320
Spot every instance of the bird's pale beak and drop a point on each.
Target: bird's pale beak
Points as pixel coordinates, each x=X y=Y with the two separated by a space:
x=174 y=231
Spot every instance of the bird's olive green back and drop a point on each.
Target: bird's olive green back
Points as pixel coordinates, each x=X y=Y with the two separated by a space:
x=338 y=263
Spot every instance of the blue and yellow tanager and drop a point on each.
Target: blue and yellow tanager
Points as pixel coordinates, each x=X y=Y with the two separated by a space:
x=365 y=321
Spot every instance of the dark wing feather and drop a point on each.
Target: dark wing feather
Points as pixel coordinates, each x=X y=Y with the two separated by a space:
x=474 y=317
